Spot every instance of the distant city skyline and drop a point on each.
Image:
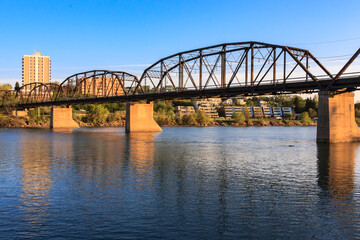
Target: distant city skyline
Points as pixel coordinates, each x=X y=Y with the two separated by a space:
x=131 y=35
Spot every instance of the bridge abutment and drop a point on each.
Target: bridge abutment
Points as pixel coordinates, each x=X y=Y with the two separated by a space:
x=20 y=113
x=62 y=118
x=139 y=118
x=336 y=118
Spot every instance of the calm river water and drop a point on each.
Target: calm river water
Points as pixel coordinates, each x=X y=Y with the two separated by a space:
x=198 y=183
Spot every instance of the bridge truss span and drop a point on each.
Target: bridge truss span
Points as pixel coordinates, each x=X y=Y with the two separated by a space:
x=224 y=70
x=97 y=84
x=94 y=84
x=225 y=66
x=37 y=92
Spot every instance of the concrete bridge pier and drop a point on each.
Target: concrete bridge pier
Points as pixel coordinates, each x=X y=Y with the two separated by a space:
x=336 y=118
x=62 y=118
x=139 y=118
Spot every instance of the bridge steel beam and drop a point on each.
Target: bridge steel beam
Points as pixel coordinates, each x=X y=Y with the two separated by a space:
x=336 y=118
x=351 y=60
x=345 y=84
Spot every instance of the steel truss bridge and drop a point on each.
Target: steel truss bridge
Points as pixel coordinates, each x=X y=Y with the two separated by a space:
x=224 y=70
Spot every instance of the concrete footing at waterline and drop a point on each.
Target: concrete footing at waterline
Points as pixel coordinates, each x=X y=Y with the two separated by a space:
x=62 y=118
x=139 y=118
x=336 y=118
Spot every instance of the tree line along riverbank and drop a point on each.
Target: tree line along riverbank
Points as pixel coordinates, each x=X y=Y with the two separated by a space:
x=8 y=121
x=113 y=114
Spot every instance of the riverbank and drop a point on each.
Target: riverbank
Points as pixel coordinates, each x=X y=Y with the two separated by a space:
x=44 y=122
x=247 y=123
x=23 y=122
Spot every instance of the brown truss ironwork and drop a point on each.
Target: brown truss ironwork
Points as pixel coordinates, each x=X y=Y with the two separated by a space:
x=223 y=66
x=241 y=68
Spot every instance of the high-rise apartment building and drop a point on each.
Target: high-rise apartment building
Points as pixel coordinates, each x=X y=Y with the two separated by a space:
x=36 y=68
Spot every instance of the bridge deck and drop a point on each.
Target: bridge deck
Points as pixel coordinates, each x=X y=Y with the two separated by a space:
x=346 y=84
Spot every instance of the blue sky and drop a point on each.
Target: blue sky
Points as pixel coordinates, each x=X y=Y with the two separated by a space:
x=128 y=35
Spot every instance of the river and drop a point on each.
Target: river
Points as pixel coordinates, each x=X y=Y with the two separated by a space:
x=186 y=182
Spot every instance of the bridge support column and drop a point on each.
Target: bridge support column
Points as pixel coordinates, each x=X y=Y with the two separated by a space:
x=62 y=118
x=139 y=118
x=336 y=118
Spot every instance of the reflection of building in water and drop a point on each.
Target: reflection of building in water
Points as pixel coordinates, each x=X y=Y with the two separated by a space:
x=336 y=164
x=100 y=86
x=36 y=178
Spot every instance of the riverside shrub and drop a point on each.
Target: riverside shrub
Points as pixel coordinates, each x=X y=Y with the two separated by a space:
x=179 y=119
x=201 y=118
x=239 y=117
x=304 y=118
x=116 y=116
x=163 y=119
x=97 y=114
x=189 y=119
x=287 y=116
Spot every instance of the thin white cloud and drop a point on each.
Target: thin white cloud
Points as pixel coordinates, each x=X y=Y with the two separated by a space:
x=104 y=67
x=9 y=69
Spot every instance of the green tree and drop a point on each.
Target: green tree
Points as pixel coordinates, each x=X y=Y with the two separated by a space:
x=179 y=119
x=163 y=119
x=287 y=116
x=97 y=114
x=165 y=107
x=116 y=116
x=239 y=117
x=304 y=118
x=247 y=114
x=250 y=103
x=283 y=100
x=6 y=87
x=189 y=119
x=311 y=103
x=299 y=104
x=113 y=107
x=185 y=102
x=202 y=118
x=17 y=87
x=312 y=113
